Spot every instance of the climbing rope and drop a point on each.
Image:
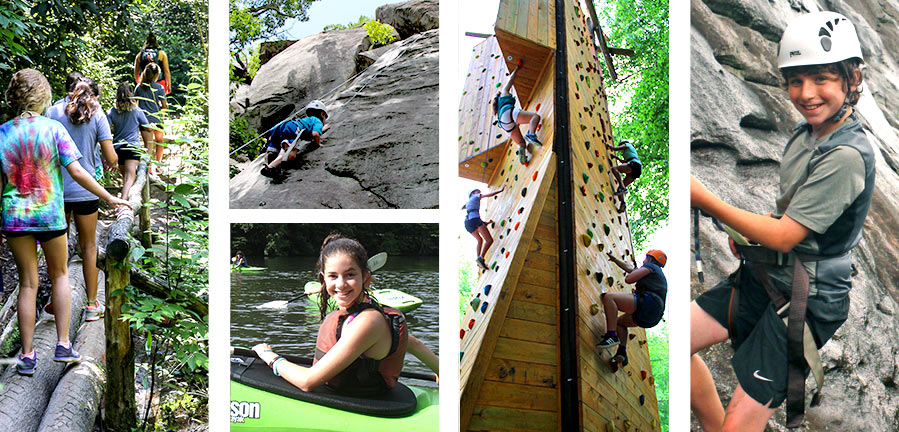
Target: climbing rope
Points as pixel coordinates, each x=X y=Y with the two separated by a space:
x=295 y=113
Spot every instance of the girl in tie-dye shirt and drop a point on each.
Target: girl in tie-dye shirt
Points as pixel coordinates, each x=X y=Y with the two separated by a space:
x=33 y=151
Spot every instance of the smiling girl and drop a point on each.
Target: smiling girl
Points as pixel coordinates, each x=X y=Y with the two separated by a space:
x=360 y=346
x=801 y=267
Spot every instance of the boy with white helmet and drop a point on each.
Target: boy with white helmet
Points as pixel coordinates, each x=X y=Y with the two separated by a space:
x=291 y=138
x=790 y=294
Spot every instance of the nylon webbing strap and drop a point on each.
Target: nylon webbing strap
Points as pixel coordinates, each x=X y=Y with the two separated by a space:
x=795 y=350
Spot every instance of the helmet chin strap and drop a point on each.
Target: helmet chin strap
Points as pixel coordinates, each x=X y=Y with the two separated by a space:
x=841 y=112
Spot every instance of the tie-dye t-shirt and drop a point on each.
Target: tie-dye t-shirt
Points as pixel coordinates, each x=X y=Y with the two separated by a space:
x=33 y=152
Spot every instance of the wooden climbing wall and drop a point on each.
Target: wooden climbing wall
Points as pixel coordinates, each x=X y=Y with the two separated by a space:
x=625 y=399
x=525 y=29
x=509 y=341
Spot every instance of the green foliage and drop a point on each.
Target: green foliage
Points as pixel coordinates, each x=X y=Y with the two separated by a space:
x=14 y=26
x=253 y=20
x=240 y=133
x=379 y=34
x=362 y=20
x=658 y=355
x=468 y=276
x=306 y=239
x=642 y=90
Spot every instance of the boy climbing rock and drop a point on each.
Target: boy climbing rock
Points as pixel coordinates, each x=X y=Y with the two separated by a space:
x=800 y=269
x=642 y=308
x=284 y=140
x=509 y=117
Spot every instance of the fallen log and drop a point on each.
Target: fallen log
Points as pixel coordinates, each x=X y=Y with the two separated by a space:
x=23 y=399
x=158 y=288
x=74 y=405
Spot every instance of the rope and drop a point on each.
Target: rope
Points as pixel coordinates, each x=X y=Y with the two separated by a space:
x=295 y=112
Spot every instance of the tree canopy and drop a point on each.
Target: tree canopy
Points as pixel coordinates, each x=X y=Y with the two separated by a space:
x=252 y=20
x=642 y=92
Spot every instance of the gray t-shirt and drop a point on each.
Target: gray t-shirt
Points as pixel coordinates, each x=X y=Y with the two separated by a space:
x=86 y=137
x=126 y=126
x=150 y=97
x=816 y=187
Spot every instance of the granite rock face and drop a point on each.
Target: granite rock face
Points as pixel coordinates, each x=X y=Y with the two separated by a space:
x=381 y=151
x=411 y=17
x=740 y=121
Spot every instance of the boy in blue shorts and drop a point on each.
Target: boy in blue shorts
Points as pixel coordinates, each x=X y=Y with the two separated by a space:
x=791 y=291
x=293 y=138
x=642 y=308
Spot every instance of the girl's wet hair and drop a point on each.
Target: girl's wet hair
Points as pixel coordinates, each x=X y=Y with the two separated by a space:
x=28 y=91
x=150 y=74
x=848 y=69
x=124 y=98
x=334 y=244
x=82 y=105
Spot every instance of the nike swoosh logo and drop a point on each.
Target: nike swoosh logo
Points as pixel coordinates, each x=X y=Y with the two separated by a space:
x=756 y=374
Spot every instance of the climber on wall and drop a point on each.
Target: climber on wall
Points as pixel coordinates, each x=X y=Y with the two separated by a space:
x=477 y=227
x=825 y=188
x=642 y=308
x=630 y=166
x=508 y=118
x=292 y=138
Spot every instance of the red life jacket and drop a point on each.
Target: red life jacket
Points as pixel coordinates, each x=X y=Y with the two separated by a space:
x=365 y=375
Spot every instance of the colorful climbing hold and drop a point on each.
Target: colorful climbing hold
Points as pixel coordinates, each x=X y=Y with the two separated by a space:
x=461 y=333
x=507 y=254
x=483 y=307
x=521 y=209
x=487 y=289
x=599 y=277
x=589 y=165
x=524 y=191
x=594 y=309
x=642 y=374
x=601 y=247
x=585 y=177
x=534 y=177
x=474 y=303
x=584 y=190
x=606 y=229
x=517 y=224
x=585 y=239
x=590 y=233
x=610 y=281
x=471 y=323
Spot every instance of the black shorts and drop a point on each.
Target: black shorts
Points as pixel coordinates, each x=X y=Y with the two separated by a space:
x=41 y=236
x=636 y=169
x=82 y=208
x=760 y=337
x=471 y=225
x=127 y=152
x=649 y=311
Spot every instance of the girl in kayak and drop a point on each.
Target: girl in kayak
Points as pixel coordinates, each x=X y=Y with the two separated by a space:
x=239 y=260
x=361 y=345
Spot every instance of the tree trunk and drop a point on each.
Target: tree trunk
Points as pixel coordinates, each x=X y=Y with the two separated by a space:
x=23 y=399
x=158 y=288
x=120 y=406
x=75 y=403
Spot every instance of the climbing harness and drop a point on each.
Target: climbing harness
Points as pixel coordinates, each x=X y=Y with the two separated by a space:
x=697 y=257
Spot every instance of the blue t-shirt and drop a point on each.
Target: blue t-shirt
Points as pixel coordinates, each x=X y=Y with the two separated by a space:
x=473 y=207
x=149 y=98
x=655 y=282
x=86 y=137
x=126 y=126
x=290 y=129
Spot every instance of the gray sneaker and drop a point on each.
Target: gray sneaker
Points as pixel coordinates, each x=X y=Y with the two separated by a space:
x=66 y=355
x=26 y=366
x=95 y=311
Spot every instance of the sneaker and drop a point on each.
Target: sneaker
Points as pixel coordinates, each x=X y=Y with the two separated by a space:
x=482 y=263
x=95 y=311
x=532 y=138
x=66 y=355
x=620 y=360
x=49 y=308
x=26 y=365
x=523 y=155
x=267 y=172
x=608 y=341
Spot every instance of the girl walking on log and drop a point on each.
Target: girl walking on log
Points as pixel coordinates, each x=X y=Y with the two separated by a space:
x=126 y=121
x=151 y=99
x=33 y=150
x=361 y=345
x=86 y=124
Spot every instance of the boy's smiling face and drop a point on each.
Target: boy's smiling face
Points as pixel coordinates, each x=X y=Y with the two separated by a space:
x=818 y=96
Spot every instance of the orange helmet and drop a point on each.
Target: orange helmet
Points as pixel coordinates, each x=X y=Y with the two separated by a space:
x=659 y=256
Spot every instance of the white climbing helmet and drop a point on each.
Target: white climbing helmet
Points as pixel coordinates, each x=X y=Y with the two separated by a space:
x=317 y=104
x=818 y=38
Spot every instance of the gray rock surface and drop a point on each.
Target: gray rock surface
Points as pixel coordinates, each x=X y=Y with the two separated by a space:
x=740 y=119
x=411 y=17
x=381 y=151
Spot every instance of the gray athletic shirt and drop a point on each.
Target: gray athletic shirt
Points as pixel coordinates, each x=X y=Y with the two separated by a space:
x=86 y=137
x=126 y=126
x=150 y=97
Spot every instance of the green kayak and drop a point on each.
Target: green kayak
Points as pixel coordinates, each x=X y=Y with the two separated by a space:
x=260 y=401
x=396 y=299
x=248 y=269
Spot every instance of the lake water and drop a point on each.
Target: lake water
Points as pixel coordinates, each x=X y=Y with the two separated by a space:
x=293 y=330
